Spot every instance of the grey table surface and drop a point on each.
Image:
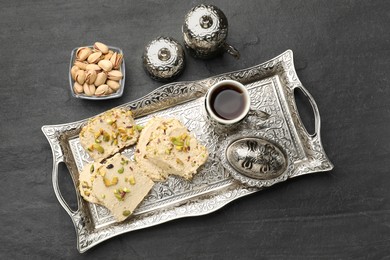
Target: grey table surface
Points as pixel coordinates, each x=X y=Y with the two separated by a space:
x=342 y=56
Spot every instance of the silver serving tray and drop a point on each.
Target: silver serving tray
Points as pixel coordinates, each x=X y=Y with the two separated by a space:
x=271 y=86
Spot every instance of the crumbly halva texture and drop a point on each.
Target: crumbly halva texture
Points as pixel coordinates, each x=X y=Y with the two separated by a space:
x=86 y=179
x=167 y=147
x=120 y=187
x=108 y=133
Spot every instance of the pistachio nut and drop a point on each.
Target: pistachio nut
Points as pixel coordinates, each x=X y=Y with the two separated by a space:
x=101 y=47
x=115 y=75
x=81 y=65
x=90 y=76
x=80 y=76
x=113 y=58
x=102 y=90
x=93 y=67
x=110 y=91
x=100 y=78
x=94 y=57
x=118 y=61
x=108 y=55
x=83 y=53
x=106 y=65
x=78 y=88
x=89 y=89
x=73 y=71
x=114 y=85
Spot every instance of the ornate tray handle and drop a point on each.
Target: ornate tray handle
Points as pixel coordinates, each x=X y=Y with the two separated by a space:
x=316 y=112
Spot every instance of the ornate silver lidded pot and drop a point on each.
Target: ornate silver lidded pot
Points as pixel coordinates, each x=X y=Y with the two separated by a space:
x=205 y=30
x=163 y=58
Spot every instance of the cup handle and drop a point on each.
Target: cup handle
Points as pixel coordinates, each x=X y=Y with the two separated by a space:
x=231 y=50
x=258 y=113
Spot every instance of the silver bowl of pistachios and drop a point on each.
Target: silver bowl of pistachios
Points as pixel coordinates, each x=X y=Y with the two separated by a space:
x=97 y=72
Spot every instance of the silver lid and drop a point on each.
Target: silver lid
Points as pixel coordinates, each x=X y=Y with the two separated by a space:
x=163 y=58
x=205 y=30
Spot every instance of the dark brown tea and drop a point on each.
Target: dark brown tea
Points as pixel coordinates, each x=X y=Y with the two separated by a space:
x=227 y=102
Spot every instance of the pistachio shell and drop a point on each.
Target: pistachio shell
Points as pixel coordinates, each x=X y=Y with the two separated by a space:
x=93 y=67
x=100 y=78
x=83 y=53
x=118 y=61
x=113 y=58
x=110 y=91
x=94 y=57
x=81 y=65
x=102 y=90
x=90 y=76
x=106 y=65
x=80 y=76
x=89 y=89
x=73 y=71
x=101 y=47
x=115 y=75
x=108 y=55
x=114 y=85
x=78 y=88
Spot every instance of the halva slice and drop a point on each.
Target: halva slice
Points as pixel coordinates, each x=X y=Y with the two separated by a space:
x=106 y=134
x=145 y=166
x=120 y=187
x=169 y=146
x=86 y=179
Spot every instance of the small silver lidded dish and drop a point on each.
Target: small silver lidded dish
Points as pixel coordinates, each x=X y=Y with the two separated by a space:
x=163 y=59
x=254 y=160
x=205 y=30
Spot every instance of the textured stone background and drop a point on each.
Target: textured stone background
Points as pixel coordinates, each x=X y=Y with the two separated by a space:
x=342 y=56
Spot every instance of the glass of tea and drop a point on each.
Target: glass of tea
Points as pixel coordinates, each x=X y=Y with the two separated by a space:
x=227 y=102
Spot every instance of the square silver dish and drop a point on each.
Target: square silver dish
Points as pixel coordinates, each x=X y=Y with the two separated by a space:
x=271 y=86
x=117 y=94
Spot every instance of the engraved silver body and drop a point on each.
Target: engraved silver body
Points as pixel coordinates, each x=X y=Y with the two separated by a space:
x=163 y=59
x=253 y=157
x=205 y=30
x=271 y=86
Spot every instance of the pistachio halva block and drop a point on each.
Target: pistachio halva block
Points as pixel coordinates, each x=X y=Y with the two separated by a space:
x=167 y=147
x=120 y=187
x=108 y=133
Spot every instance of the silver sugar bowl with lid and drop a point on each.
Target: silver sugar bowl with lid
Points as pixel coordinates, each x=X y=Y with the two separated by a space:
x=163 y=58
x=205 y=30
